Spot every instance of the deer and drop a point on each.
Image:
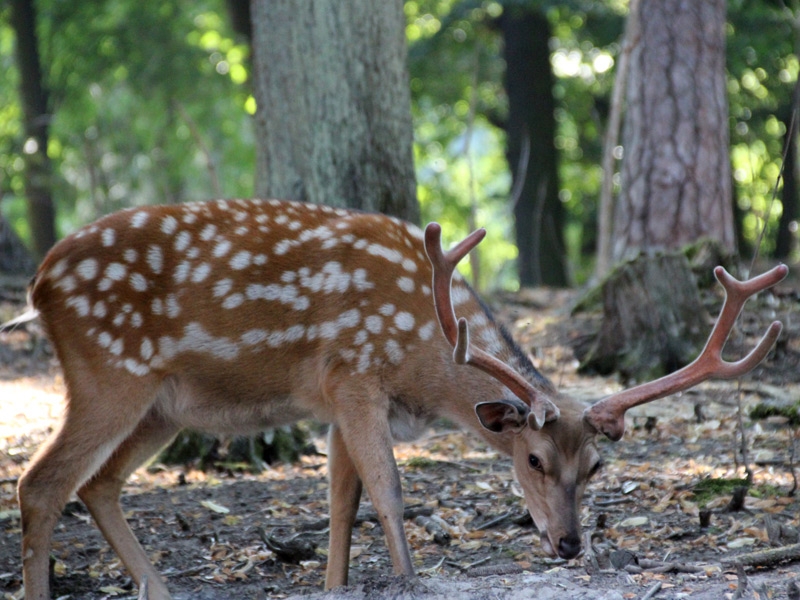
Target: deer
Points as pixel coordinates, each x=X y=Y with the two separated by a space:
x=233 y=316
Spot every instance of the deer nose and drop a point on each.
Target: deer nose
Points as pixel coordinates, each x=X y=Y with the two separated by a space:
x=569 y=546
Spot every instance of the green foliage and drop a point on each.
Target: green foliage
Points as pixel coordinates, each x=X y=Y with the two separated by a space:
x=762 y=73
x=706 y=490
x=144 y=96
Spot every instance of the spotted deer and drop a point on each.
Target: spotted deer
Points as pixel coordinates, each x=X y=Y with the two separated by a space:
x=235 y=316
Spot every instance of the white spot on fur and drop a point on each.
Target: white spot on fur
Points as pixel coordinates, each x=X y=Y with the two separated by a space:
x=87 y=269
x=157 y=306
x=460 y=295
x=404 y=321
x=222 y=248
x=155 y=258
x=169 y=225
x=233 y=301
x=208 y=232
x=173 y=308
x=137 y=320
x=139 y=219
x=99 y=309
x=331 y=329
x=201 y=272
x=66 y=284
x=104 y=339
x=393 y=351
x=374 y=324
x=389 y=254
x=406 y=284
x=146 y=349
x=182 y=272
x=80 y=304
x=138 y=282
x=241 y=260
x=130 y=255
x=135 y=368
x=197 y=339
x=182 y=241
x=116 y=271
x=387 y=310
x=426 y=331
x=409 y=265
x=108 y=237
x=58 y=269
x=117 y=346
x=222 y=287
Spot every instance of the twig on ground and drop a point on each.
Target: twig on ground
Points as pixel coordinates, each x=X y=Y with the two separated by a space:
x=651 y=593
x=765 y=558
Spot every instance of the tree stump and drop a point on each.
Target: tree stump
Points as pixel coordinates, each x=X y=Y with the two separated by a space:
x=653 y=319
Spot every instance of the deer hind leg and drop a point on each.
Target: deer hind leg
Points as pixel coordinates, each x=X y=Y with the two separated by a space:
x=344 y=494
x=361 y=416
x=97 y=420
x=101 y=496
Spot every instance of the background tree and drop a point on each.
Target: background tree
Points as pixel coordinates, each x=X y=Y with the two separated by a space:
x=333 y=124
x=530 y=148
x=36 y=111
x=676 y=174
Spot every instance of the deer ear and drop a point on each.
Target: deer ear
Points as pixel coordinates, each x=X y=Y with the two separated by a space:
x=503 y=415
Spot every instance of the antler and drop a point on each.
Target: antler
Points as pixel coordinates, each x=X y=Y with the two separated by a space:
x=457 y=331
x=608 y=415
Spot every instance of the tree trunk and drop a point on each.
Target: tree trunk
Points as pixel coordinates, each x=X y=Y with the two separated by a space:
x=34 y=96
x=653 y=319
x=676 y=188
x=14 y=257
x=530 y=132
x=333 y=121
x=676 y=175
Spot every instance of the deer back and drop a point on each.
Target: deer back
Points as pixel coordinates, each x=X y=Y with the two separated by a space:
x=255 y=299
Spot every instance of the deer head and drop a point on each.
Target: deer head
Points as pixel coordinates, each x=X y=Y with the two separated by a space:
x=551 y=437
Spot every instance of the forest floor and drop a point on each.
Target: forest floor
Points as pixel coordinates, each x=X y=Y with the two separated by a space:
x=680 y=457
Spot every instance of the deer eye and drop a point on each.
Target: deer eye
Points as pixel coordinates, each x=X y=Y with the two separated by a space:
x=535 y=463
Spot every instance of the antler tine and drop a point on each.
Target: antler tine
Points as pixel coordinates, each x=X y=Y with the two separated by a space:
x=608 y=415
x=444 y=264
x=457 y=331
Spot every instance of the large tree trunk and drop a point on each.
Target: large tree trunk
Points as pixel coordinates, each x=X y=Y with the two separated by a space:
x=676 y=187
x=334 y=109
x=334 y=127
x=676 y=176
x=530 y=131
x=38 y=170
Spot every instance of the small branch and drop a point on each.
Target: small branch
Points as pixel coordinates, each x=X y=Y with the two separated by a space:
x=651 y=593
x=765 y=558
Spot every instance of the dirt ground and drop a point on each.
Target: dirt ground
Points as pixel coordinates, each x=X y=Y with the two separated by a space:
x=207 y=532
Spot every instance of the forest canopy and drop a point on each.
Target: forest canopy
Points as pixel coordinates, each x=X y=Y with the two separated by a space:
x=152 y=103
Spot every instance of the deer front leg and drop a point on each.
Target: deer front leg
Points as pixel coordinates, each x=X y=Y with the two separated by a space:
x=361 y=416
x=344 y=493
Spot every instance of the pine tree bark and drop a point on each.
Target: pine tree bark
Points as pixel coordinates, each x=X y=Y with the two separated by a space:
x=530 y=130
x=676 y=174
x=333 y=121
